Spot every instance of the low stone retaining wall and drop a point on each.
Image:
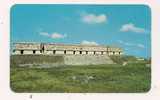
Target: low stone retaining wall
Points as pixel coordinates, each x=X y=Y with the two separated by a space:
x=58 y=60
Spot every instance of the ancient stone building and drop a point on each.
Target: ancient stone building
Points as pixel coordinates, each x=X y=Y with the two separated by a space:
x=76 y=54
x=63 y=49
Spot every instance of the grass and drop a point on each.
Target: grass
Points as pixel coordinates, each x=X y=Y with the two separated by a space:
x=134 y=77
x=124 y=58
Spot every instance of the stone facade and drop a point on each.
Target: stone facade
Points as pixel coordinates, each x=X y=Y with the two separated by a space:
x=63 y=49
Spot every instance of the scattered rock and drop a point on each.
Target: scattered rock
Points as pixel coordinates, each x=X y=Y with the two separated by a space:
x=73 y=77
x=90 y=77
x=124 y=63
x=82 y=79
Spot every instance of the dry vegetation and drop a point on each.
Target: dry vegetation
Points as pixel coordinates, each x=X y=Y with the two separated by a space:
x=133 y=77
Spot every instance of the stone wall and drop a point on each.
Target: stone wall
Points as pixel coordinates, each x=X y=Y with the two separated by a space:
x=27 y=46
x=58 y=60
x=36 y=60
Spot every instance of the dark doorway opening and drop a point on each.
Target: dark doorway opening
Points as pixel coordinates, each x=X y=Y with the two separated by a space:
x=74 y=52
x=113 y=52
x=42 y=48
x=14 y=51
x=22 y=51
x=54 y=51
x=101 y=52
x=119 y=53
x=64 y=51
x=34 y=51
x=94 y=52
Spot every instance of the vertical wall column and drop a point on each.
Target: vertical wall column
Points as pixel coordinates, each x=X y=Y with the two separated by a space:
x=90 y=52
x=68 y=52
x=77 y=52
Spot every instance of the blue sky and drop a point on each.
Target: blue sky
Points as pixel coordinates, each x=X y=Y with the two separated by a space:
x=126 y=26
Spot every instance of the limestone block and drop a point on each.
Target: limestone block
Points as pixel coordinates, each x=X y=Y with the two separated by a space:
x=83 y=52
x=117 y=53
x=38 y=52
x=90 y=52
x=98 y=52
x=110 y=53
x=60 y=52
x=69 y=52
x=28 y=46
x=104 y=52
x=77 y=52
x=27 y=52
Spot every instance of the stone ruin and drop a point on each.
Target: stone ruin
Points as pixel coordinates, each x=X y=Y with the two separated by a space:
x=64 y=49
x=72 y=54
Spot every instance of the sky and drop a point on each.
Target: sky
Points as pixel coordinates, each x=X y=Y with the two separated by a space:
x=125 y=26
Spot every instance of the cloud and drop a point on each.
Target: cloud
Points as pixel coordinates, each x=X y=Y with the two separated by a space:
x=131 y=28
x=120 y=41
x=84 y=42
x=54 y=35
x=141 y=46
x=44 y=34
x=131 y=44
x=94 y=19
x=57 y=35
x=125 y=43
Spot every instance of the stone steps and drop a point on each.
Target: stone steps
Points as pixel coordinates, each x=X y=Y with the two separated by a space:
x=87 y=59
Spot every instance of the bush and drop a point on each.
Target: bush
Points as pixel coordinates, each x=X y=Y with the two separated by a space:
x=121 y=59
